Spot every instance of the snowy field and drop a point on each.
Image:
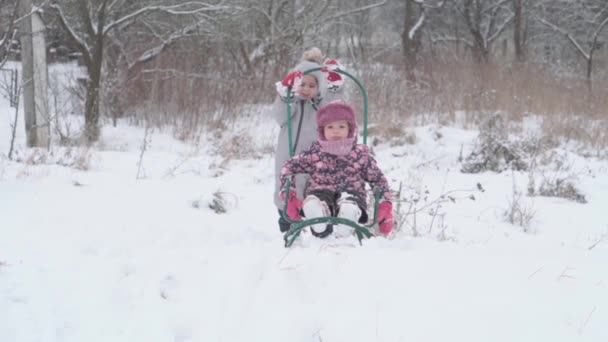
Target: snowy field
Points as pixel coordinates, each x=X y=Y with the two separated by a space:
x=129 y=250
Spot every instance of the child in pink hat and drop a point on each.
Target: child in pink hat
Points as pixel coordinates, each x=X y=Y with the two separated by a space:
x=338 y=168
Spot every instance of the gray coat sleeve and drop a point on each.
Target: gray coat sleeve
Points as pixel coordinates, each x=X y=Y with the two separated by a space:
x=279 y=111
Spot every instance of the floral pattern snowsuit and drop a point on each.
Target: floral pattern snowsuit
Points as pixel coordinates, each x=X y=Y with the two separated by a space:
x=338 y=174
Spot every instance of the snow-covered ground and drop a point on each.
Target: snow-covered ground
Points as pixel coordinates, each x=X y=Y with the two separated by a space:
x=128 y=250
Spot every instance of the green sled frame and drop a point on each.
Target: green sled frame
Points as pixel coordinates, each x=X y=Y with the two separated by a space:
x=361 y=231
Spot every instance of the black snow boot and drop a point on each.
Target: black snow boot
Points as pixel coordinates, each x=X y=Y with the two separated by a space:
x=283 y=224
x=328 y=230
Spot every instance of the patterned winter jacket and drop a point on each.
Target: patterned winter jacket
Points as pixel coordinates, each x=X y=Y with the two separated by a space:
x=304 y=131
x=339 y=174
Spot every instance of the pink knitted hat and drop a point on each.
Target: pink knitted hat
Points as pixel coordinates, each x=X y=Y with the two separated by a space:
x=334 y=111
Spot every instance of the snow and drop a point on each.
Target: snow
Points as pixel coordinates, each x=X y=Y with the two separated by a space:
x=99 y=255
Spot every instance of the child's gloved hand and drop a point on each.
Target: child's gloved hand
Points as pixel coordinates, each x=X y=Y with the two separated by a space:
x=333 y=64
x=293 y=80
x=385 y=217
x=294 y=204
x=334 y=79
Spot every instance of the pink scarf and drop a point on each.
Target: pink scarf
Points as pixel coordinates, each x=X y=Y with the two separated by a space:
x=337 y=147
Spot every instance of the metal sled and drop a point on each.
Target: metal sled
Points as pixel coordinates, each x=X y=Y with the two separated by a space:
x=362 y=231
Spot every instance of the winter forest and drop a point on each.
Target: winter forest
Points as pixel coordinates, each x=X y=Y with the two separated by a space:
x=139 y=151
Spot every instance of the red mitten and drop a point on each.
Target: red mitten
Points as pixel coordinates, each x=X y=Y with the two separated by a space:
x=291 y=79
x=293 y=205
x=385 y=217
x=333 y=64
x=334 y=81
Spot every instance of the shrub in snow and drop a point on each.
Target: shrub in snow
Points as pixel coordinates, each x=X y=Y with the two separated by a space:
x=519 y=212
x=563 y=188
x=395 y=135
x=237 y=147
x=219 y=202
x=559 y=182
x=424 y=215
x=492 y=150
x=76 y=158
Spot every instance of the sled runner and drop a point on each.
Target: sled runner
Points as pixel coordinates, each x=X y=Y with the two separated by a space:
x=361 y=230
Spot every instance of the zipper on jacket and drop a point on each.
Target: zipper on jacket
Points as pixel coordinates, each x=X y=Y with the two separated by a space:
x=299 y=126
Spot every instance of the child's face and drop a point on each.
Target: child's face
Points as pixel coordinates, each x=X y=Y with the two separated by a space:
x=336 y=130
x=309 y=87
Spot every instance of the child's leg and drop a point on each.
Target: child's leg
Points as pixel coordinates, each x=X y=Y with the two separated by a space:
x=314 y=207
x=348 y=208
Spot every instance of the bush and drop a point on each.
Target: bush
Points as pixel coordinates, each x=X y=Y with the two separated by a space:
x=563 y=188
x=493 y=151
x=75 y=158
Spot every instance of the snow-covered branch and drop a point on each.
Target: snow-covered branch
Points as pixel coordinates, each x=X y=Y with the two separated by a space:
x=67 y=25
x=86 y=18
x=494 y=6
x=155 y=51
x=453 y=40
x=113 y=4
x=601 y=13
x=355 y=10
x=5 y=45
x=416 y=26
x=501 y=28
x=179 y=9
x=269 y=17
x=10 y=33
x=599 y=29
x=424 y=6
x=573 y=40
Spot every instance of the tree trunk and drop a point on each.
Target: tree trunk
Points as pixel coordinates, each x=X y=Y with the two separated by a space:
x=589 y=69
x=410 y=45
x=472 y=15
x=518 y=36
x=95 y=66
x=91 y=113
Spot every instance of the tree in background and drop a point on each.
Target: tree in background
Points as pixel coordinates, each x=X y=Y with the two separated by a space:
x=207 y=63
x=520 y=28
x=414 y=20
x=8 y=20
x=90 y=23
x=485 y=22
x=582 y=23
x=270 y=33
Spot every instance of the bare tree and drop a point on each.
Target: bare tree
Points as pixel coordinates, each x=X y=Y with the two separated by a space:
x=272 y=32
x=484 y=21
x=7 y=36
x=413 y=22
x=581 y=22
x=519 y=28
x=89 y=24
x=265 y=32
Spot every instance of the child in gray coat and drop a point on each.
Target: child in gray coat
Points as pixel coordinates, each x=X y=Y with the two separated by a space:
x=309 y=92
